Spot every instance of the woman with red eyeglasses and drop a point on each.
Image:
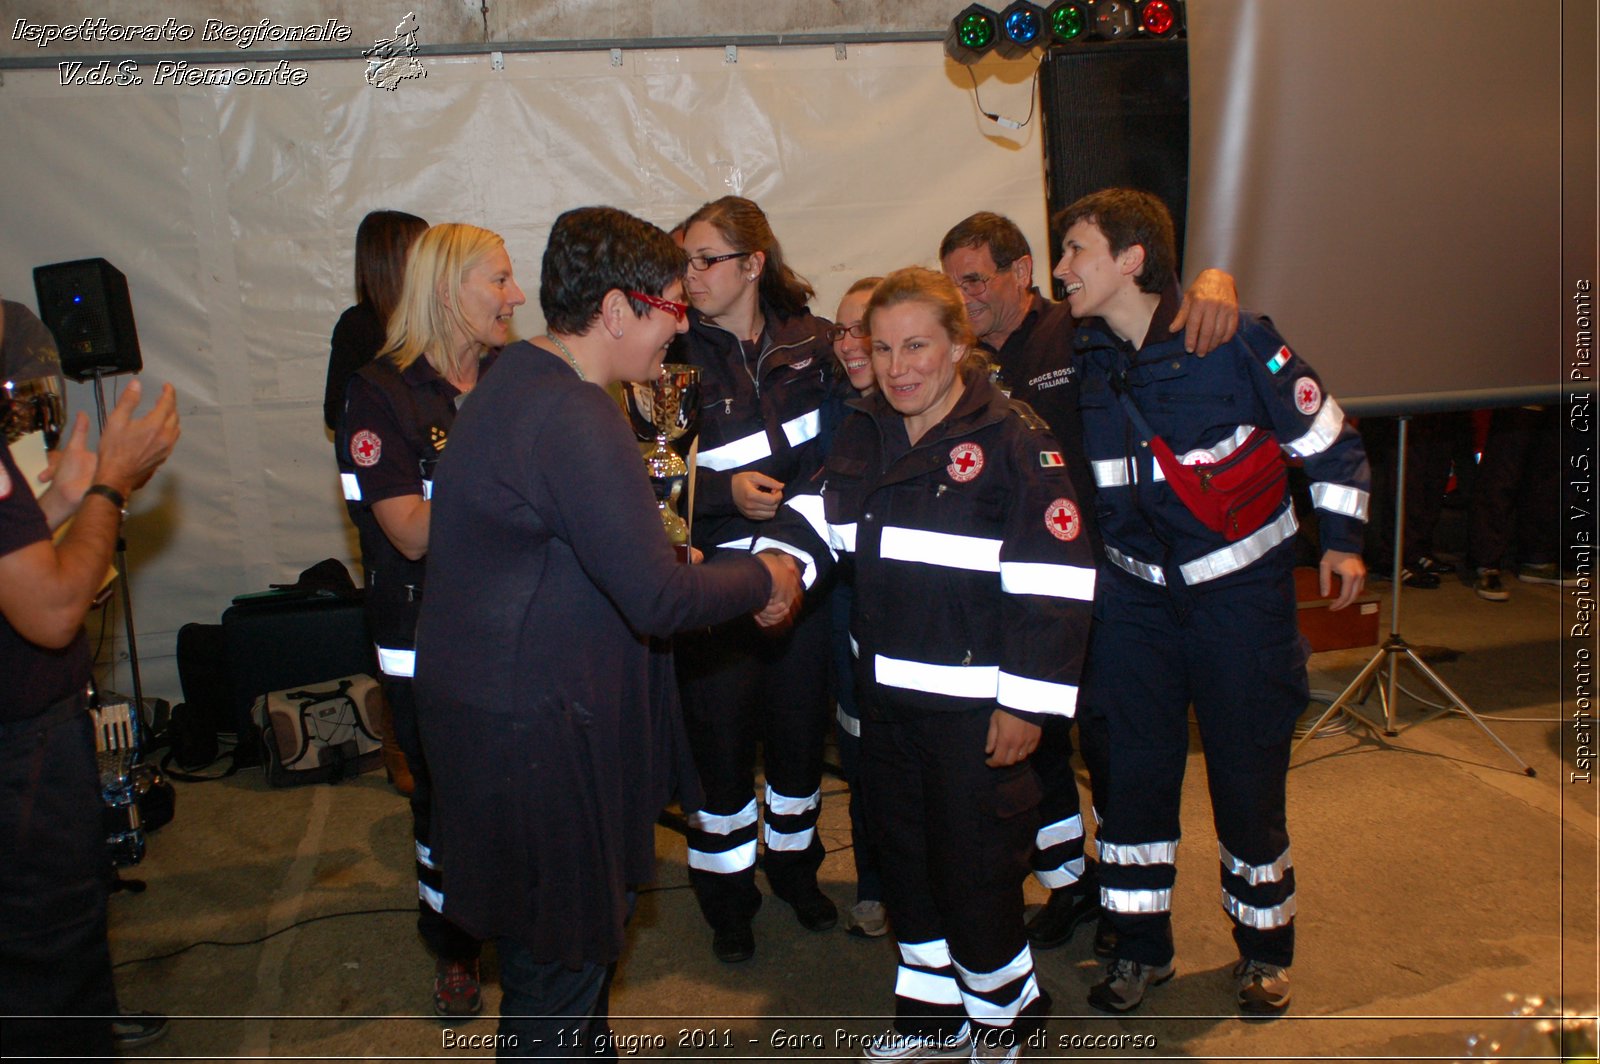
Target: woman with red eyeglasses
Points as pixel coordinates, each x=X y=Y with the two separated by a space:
x=767 y=372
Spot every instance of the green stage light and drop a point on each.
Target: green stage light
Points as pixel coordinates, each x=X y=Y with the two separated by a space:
x=972 y=33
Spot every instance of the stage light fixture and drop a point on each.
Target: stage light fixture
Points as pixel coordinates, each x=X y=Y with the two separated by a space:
x=1022 y=29
x=972 y=34
x=1111 y=20
x=1068 y=21
x=1158 y=18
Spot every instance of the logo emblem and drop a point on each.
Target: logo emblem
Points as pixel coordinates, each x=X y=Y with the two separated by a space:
x=1307 y=395
x=1198 y=456
x=1050 y=460
x=966 y=462
x=1062 y=519
x=365 y=448
x=392 y=60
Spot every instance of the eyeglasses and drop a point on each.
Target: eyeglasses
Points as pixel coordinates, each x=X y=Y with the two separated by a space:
x=973 y=284
x=678 y=310
x=839 y=332
x=702 y=263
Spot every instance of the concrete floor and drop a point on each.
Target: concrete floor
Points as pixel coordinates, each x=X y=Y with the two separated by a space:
x=1434 y=879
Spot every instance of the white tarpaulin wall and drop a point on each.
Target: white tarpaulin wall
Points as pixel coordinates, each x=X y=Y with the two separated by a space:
x=233 y=213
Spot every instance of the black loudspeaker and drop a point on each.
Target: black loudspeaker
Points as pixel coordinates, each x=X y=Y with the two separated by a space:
x=85 y=304
x=1117 y=114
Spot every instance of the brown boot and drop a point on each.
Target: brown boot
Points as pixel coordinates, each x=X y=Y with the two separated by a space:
x=394 y=759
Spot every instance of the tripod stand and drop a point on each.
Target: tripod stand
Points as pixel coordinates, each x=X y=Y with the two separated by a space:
x=1395 y=650
x=122 y=564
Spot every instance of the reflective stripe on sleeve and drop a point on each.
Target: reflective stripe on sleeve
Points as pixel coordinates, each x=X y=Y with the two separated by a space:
x=740 y=452
x=957 y=681
x=805 y=427
x=977 y=553
x=1044 y=578
x=1255 y=875
x=736 y=544
x=1136 y=901
x=842 y=538
x=1339 y=499
x=811 y=508
x=395 y=662
x=1036 y=696
x=1139 y=853
x=1323 y=431
x=808 y=564
x=1262 y=919
x=352 y=487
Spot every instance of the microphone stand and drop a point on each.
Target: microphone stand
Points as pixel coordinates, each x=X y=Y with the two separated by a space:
x=122 y=568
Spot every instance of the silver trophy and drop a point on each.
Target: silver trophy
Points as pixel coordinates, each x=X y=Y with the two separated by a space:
x=667 y=411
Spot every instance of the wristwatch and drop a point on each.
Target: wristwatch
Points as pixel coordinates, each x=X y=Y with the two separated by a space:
x=106 y=491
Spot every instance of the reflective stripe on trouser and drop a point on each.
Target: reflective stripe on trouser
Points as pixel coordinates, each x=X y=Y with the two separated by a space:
x=1238 y=657
x=1058 y=848
x=952 y=838
x=742 y=688
x=444 y=938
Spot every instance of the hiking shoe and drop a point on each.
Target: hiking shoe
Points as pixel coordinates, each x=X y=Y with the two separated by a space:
x=456 y=990
x=134 y=1029
x=1105 y=939
x=894 y=1046
x=1419 y=578
x=1489 y=586
x=1545 y=573
x=1067 y=908
x=869 y=919
x=734 y=944
x=1263 y=988
x=1124 y=985
x=814 y=909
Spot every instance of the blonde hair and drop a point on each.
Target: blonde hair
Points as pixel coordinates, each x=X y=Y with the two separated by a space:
x=934 y=290
x=427 y=322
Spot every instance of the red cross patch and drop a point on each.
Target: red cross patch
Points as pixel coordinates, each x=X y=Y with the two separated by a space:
x=365 y=448
x=966 y=462
x=5 y=483
x=1061 y=518
x=1307 y=395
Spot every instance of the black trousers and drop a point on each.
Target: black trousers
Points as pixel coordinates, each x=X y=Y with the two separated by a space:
x=741 y=687
x=1238 y=657
x=445 y=939
x=1058 y=858
x=953 y=837
x=54 y=881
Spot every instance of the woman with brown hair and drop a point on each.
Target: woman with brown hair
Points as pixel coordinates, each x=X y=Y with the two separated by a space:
x=766 y=374
x=382 y=241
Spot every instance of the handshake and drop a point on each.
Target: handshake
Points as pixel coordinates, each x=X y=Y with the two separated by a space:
x=787 y=591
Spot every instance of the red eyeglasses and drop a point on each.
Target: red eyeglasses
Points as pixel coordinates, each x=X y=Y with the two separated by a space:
x=678 y=310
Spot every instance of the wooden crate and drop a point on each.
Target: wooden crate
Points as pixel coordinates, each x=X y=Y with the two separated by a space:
x=1354 y=626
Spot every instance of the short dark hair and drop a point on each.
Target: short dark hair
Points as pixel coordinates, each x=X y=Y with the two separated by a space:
x=382 y=241
x=593 y=250
x=1128 y=216
x=996 y=232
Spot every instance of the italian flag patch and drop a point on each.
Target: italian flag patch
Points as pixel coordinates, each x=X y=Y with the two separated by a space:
x=1280 y=360
x=1050 y=459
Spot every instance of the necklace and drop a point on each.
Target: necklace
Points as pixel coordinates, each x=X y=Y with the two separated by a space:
x=570 y=360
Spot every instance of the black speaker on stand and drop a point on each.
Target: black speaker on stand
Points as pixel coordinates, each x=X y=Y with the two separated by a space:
x=1117 y=114
x=85 y=305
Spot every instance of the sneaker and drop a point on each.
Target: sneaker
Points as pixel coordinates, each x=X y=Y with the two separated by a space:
x=1489 y=586
x=894 y=1046
x=1427 y=563
x=1419 y=578
x=134 y=1029
x=814 y=909
x=1067 y=908
x=997 y=1044
x=1105 y=939
x=1263 y=988
x=1124 y=985
x=1545 y=573
x=734 y=944
x=456 y=990
x=869 y=919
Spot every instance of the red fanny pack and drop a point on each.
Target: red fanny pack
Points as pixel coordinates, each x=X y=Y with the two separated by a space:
x=1235 y=496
